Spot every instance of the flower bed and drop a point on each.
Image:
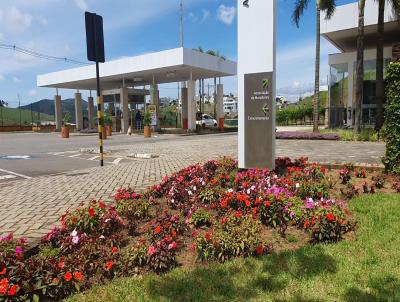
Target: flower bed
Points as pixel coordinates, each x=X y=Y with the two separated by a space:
x=210 y=212
x=307 y=135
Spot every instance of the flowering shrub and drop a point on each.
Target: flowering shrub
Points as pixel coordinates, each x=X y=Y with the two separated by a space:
x=95 y=218
x=360 y=173
x=234 y=236
x=396 y=186
x=201 y=218
x=214 y=209
x=344 y=175
x=379 y=182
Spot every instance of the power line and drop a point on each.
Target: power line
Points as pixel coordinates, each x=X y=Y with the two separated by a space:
x=39 y=55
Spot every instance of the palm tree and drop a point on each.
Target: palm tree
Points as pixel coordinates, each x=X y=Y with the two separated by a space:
x=380 y=86
x=360 y=68
x=328 y=6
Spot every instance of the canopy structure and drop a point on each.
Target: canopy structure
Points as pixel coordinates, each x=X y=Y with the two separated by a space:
x=127 y=78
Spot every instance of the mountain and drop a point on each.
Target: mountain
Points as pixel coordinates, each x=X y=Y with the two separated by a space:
x=46 y=106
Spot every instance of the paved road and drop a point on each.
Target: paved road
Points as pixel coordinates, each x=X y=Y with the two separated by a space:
x=38 y=154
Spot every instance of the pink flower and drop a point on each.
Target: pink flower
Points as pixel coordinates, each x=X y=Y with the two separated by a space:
x=151 y=250
x=75 y=240
x=18 y=251
x=172 y=246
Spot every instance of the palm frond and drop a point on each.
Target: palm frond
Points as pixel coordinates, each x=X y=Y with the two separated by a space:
x=299 y=8
x=328 y=6
x=395 y=6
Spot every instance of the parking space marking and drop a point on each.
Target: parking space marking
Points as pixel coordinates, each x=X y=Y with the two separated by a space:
x=116 y=161
x=2 y=177
x=76 y=155
x=94 y=157
x=15 y=174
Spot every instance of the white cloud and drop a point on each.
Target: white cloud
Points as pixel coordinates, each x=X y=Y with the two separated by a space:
x=14 y=21
x=1 y=77
x=32 y=92
x=206 y=15
x=16 y=80
x=226 y=14
x=81 y=4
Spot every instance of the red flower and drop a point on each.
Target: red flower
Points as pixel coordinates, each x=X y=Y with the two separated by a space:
x=13 y=290
x=254 y=211
x=174 y=234
x=330 y=217
x=267 y=203
x=109 y=265
x=248 y=204
x=224 y=220
x=238 y=214
x=78 y=276
x=3 y=286
x=306 y=224
x=3 y=272
x=55 y=281
x=208 y=236
x=102 y=205
x=61 y=265
x=157 y=230
x=259 y=250
x=114 y=250
x=67 y=276
x=91 y=212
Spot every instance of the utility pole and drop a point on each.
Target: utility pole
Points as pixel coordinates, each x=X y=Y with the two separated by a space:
x=181 y=28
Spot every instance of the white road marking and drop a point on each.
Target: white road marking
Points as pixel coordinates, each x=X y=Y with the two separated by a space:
x=17 y=157
x=94 y=157
x=16 y=174
x=60 y=153
x=76 y=155
x=116 y=161
x=7 y=177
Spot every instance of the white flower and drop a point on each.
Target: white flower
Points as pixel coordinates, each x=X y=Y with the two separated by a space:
x=230 y=190
x=75 y=240
x=102 y=237
x=253 y=187
x=107 y=220
x=297 y=185
x=190 y=193
x=74 y=233
x=248 y=191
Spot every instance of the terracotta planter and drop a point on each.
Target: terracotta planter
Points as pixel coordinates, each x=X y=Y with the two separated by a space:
x=64 y=132
x=109 y=130
x=147 y=131
x=104 y=133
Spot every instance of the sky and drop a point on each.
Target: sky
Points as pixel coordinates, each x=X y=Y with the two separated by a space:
x=56 y=28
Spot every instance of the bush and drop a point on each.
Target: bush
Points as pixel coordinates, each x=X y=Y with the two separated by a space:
x=235 y=235
x=392 y=117
x=201 y=218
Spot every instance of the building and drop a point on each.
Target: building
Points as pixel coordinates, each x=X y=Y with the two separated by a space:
x=128 y=81
x=231 y=104
x=341 y=30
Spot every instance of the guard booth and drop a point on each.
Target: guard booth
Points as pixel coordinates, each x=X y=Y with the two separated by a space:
x=127 y=82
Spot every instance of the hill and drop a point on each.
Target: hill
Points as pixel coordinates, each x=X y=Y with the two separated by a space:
x=46 y=106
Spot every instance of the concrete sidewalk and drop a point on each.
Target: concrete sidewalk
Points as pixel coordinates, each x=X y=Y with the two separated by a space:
x=31 y=207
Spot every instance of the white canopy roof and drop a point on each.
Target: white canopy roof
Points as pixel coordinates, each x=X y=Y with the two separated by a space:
x=167 y=66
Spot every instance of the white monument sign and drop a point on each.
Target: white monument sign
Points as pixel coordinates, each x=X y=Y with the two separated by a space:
x=256 y=80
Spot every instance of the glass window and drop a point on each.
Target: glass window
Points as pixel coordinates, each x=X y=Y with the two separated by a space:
x=338 y=94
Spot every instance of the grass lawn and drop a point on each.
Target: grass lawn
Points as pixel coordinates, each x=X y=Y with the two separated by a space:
x=365 y=269
x=11 y=117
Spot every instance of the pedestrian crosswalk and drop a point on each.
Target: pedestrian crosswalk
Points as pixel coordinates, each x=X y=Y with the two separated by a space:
x=108 y=159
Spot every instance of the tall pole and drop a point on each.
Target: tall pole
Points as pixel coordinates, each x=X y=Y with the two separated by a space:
x=99 y=100
x=19 y=109
x=181 y=28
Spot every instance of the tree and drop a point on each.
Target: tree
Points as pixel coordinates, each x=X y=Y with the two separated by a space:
x=360 y=68
x=380 y=85
x=327 y=6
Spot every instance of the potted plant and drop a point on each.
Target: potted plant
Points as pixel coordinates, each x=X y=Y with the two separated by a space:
x=65 y=127
x=108 y=124
x=147 y=123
